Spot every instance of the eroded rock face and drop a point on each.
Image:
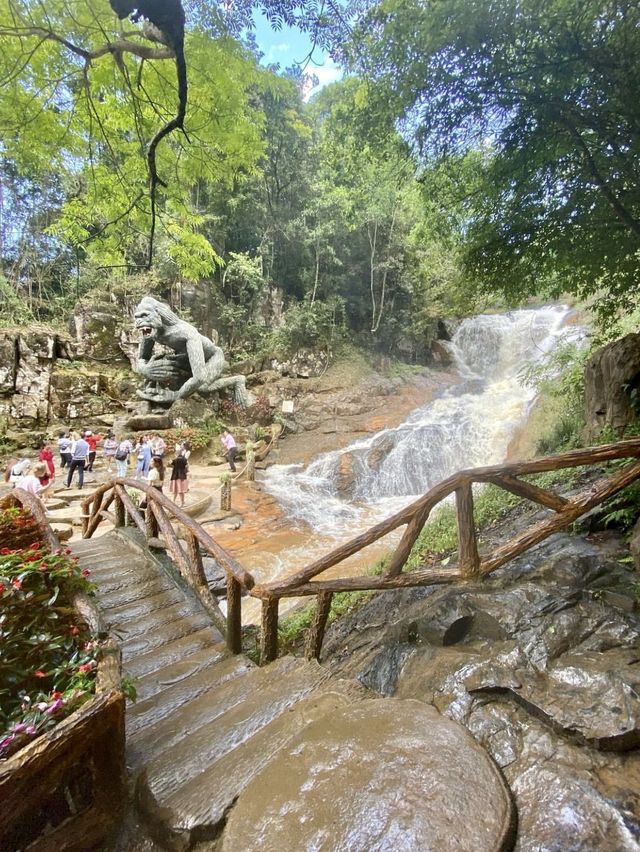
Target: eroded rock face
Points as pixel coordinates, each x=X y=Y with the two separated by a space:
x=384 y=775
x=541 y=664
x=612 y=376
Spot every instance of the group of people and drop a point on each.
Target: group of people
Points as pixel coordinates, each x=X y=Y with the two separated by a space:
x=78 y=451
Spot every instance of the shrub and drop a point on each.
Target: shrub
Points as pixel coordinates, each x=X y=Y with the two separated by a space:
x=49 y=658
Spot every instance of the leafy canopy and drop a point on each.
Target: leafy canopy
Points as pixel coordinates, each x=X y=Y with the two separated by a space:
x=546 y=91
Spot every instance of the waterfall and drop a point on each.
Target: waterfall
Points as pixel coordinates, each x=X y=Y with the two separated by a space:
x=470 y=425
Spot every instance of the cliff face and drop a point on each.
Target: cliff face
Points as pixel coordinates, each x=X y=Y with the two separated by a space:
x=43 y=381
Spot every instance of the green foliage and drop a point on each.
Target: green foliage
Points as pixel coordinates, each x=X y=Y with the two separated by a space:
x=48 y=662
x=559 y=377
x=544 y=91
x=198 y=436
x=624 y=509
x=311 y=325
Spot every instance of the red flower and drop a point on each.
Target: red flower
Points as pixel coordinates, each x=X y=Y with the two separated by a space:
x=35 y=546
x=40 y=674
x=85 y=572
x=17 y=584
x=2 y=588
x=56 y=695
x=86 y=667
x=5 y=551
x=44 y=567
x=67 y=551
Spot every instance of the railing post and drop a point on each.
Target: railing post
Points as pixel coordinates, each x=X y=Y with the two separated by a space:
x=468 y=558
x=225 y=492
x=251 y=461
x=195 y=558
x=119 y=511
x=87 y=513
x=269 y=632
x=234 y=615
x=150 y=521
x=316 y=631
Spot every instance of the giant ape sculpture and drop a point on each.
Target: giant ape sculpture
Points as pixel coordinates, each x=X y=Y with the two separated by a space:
x=196 y=363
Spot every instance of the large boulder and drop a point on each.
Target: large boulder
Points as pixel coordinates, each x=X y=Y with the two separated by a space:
x=384 y=775
x=612 y=383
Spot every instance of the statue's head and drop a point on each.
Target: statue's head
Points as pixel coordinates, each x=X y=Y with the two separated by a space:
x=151 y=315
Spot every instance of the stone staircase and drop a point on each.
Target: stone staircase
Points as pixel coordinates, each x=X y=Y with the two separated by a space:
x=284 y=758
x=204 y=723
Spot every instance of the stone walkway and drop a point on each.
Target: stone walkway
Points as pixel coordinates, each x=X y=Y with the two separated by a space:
x=211 y=733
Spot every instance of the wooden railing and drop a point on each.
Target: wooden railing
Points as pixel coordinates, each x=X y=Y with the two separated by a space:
x=470 y=565
x=186 y=553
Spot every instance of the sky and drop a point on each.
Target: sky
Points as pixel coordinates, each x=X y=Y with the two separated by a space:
x=288 y=47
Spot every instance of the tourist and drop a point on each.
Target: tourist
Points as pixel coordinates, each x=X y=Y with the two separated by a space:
x=93 y=441
x=46 y=457
x=16 y=469
x=125 y=448
x=180 y=470
x=156 y=473
x=228 y=442
x=64 y=448
x=109 y=448
x=158 y=447
x=183 y=448
x=143 y=452
x=31 y=482
x=79 y=457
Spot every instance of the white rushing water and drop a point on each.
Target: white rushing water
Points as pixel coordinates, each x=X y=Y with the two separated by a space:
x=470 y=425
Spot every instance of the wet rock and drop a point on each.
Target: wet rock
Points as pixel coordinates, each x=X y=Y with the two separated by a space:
x=384 y=670
x=366 y=777
x=540 y=662
x=559 y=809
x=611 y=373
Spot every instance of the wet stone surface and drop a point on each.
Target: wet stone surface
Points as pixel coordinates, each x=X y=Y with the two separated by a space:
x=541 y=663
x=367 y=778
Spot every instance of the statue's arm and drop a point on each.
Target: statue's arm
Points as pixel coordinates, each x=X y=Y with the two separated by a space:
x=197 y=363
x=145 y=351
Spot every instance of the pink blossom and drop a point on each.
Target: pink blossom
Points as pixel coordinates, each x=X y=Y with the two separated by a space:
x=54 y=706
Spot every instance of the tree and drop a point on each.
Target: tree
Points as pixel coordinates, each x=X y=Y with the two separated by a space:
x=88 y=105
x=547 y=91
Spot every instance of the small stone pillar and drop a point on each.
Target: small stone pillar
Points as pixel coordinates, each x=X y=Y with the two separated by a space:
x=225 y=492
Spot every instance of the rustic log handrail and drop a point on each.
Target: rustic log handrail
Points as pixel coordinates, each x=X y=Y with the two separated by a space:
x=156 y=519
x=305 y=582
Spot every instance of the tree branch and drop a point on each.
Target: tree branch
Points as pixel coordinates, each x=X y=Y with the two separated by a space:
x=113 y=47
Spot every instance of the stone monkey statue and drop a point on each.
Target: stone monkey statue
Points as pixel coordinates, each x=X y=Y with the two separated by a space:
x=196 y=364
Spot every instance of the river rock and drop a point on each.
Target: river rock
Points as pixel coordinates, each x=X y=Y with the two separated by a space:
x=612 y=376
x=367 y=777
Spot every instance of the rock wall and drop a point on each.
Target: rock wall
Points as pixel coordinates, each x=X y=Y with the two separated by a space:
x=43 y=382
x=612 y=383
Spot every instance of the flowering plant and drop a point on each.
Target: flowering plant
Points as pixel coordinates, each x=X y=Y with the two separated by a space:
x=49 y=659
x=18 y=527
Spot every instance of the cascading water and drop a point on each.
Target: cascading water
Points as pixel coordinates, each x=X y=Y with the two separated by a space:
x=468 y=426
